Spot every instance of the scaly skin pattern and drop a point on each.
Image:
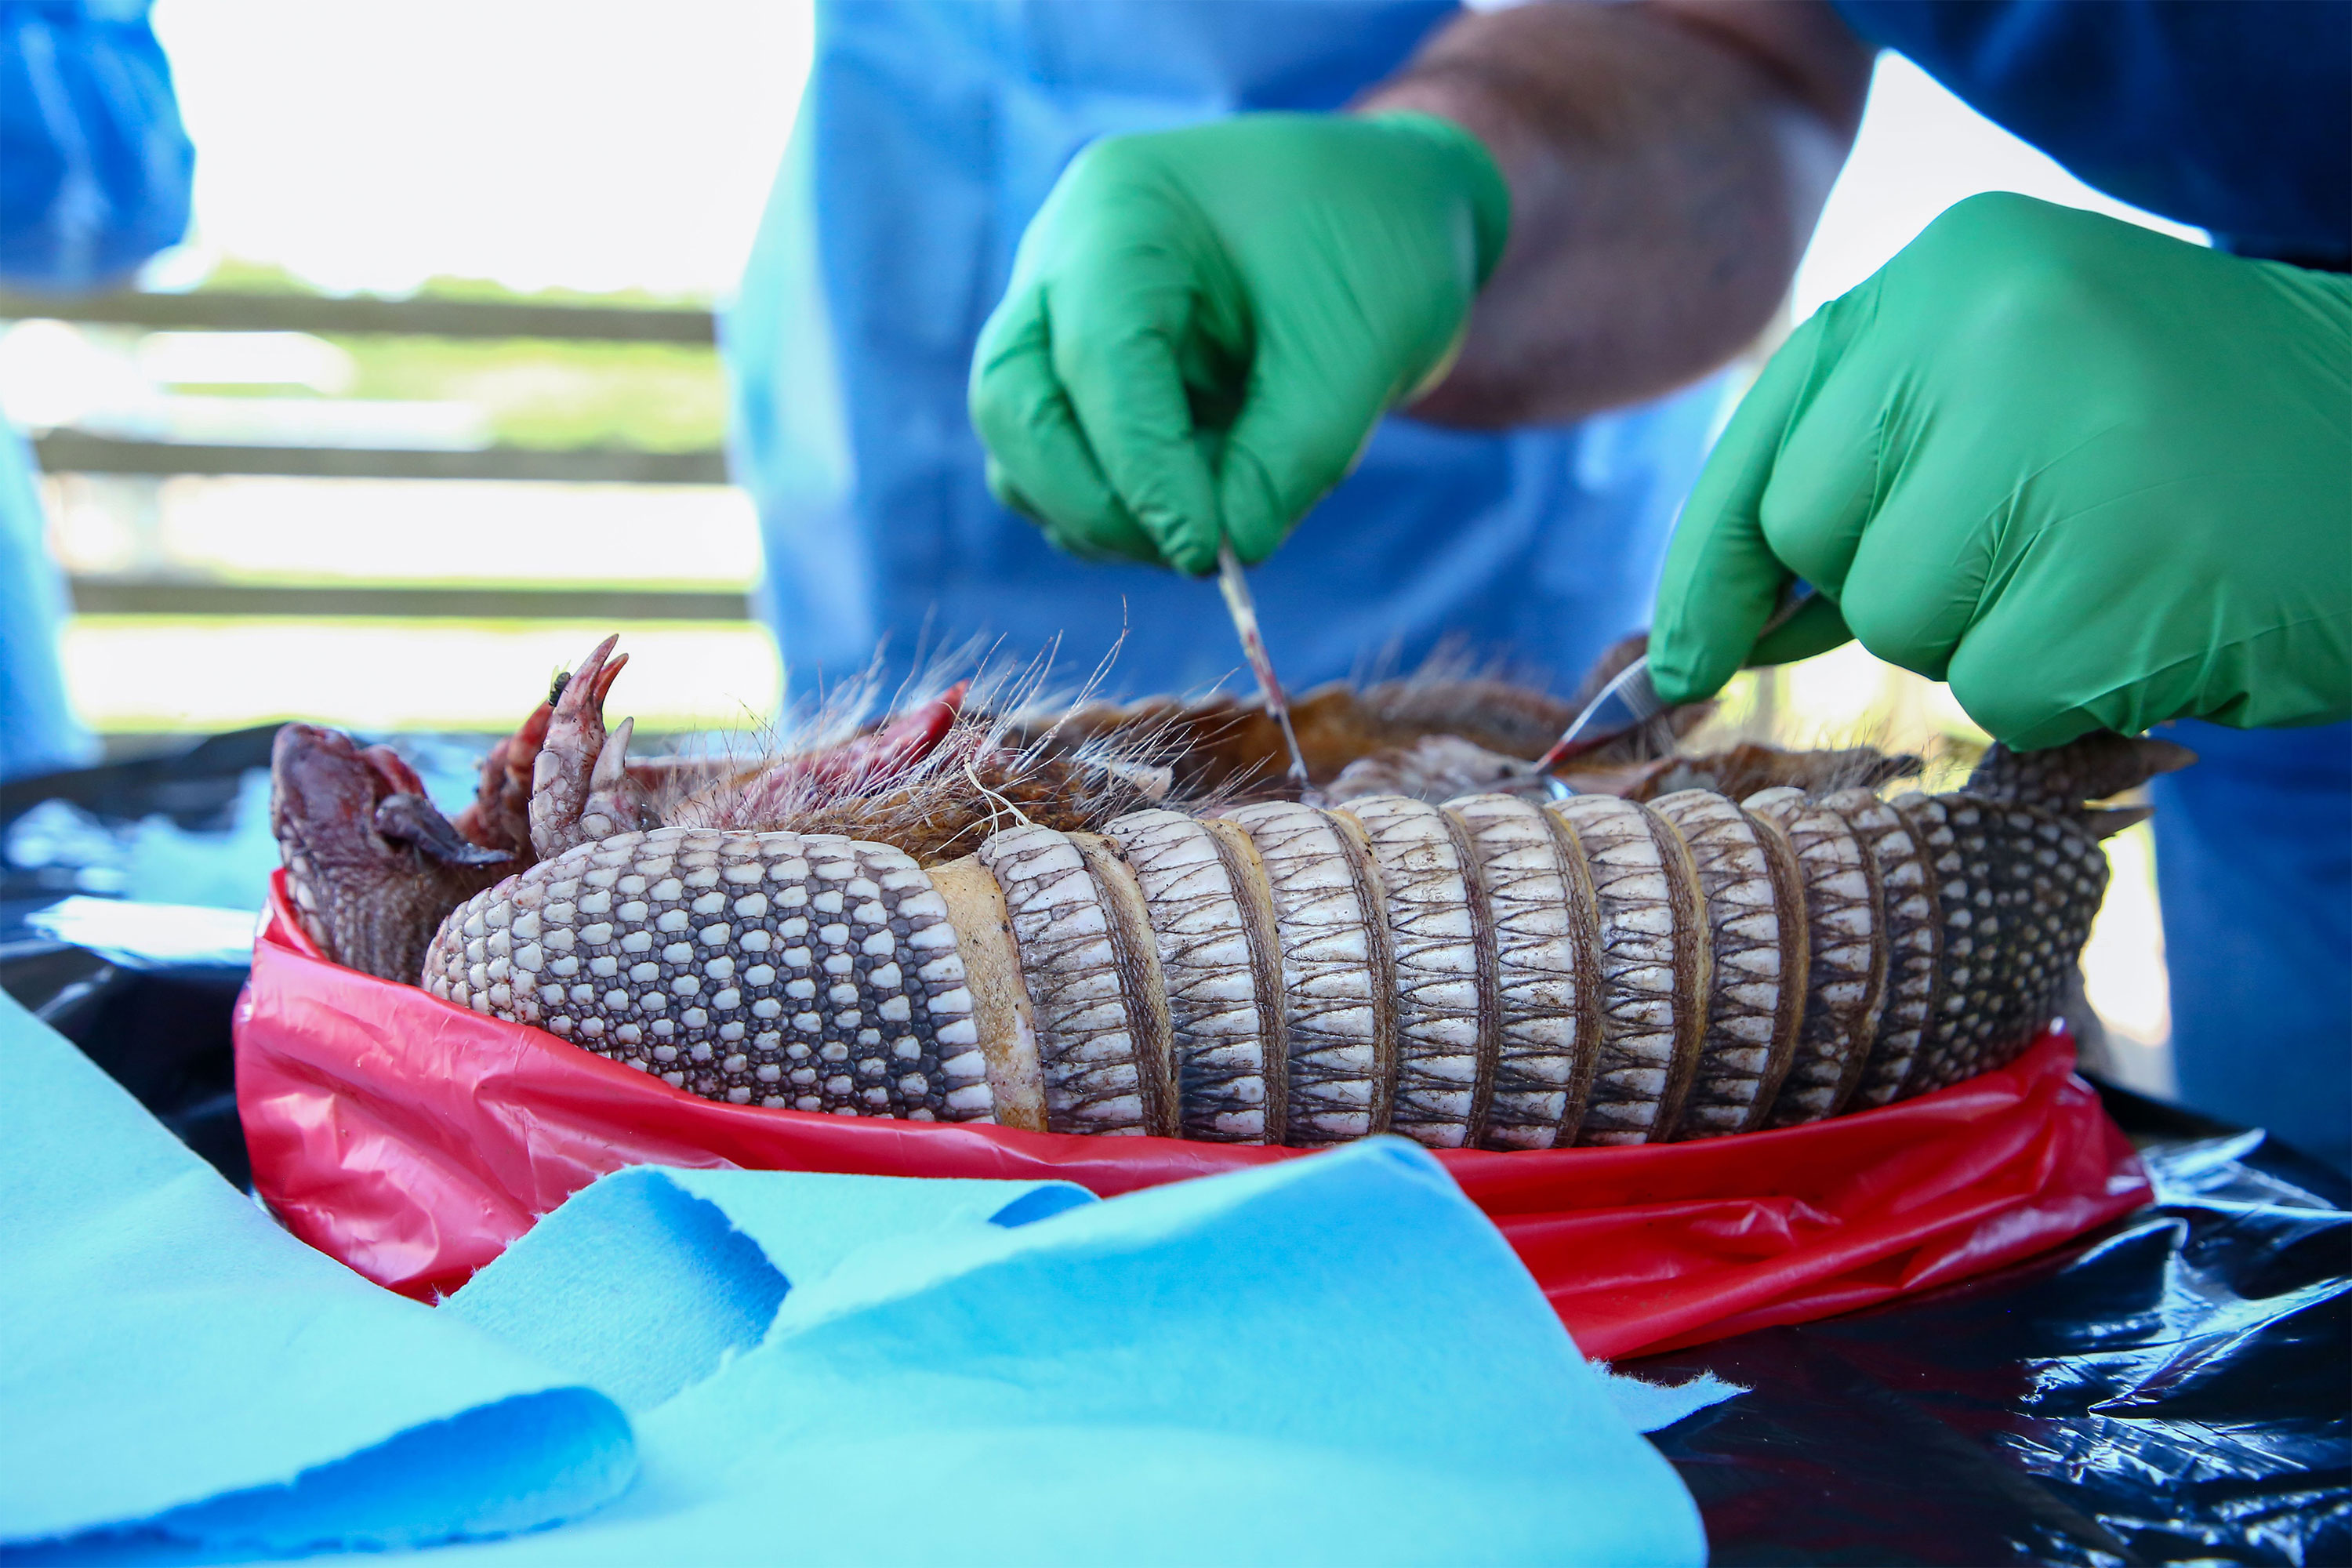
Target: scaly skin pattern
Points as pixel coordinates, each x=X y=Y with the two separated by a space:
x=1487 y=973
x=370 y=864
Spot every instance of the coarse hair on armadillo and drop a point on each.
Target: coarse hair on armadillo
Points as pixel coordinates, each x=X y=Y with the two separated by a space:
x=1000 y=758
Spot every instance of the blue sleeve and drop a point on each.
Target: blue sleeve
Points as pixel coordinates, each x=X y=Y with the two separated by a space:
x=2232 y=115
x=94 y=166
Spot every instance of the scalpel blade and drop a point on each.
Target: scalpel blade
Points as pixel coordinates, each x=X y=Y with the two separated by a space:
x=1631 y=699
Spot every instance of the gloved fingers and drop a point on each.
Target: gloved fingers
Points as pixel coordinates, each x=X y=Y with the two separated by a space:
x=2013 y=675
x=1119 y=312
x=1300 y=431
x=1039 y=463
x=1084 y=548
x=1008 y=495
x=1917 y=581
x=2071 y=641
x=1722 y=579
x=1132 y=544
x=1123 y=542
x=1846 y=446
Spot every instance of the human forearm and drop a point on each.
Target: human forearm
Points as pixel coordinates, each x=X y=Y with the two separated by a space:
x=1667 y=161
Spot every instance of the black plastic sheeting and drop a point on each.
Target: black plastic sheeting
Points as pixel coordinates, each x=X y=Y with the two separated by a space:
x=197 y=789
x=2173 y=1389
x=2177 y=1388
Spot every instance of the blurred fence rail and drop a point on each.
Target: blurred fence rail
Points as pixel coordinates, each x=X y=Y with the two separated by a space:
x=77 y=452
x=97 y=596
x=171 y=594
x=225 y=311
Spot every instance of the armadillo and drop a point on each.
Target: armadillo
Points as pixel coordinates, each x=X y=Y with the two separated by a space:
x=1697 y=947
x=1488 y=973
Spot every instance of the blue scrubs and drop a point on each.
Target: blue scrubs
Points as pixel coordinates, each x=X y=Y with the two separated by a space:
x=94 y=172
x=931 y=132
x=2232 y=116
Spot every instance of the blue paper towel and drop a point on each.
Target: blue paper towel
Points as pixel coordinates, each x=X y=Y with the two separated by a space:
x=171 y=1362
x=651 y=1279
x=1331 y=1360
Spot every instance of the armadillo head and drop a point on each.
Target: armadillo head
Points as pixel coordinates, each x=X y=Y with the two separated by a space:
x=371 y=863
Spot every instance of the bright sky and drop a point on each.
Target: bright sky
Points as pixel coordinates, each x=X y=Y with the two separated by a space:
x=1920 y=149
x=589 y=145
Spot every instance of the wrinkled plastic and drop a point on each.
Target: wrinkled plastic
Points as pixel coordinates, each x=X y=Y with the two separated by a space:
x=415 y=1140
x=2172 y=1390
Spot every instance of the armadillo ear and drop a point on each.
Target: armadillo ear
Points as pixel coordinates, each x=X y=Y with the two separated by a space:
x=413 y=820
x=2109 y=822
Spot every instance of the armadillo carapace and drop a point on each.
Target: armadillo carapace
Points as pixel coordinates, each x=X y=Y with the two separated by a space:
x=1491 y=971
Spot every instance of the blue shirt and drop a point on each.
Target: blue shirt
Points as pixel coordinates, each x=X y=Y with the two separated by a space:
x=94 y=167
x=2232 y=115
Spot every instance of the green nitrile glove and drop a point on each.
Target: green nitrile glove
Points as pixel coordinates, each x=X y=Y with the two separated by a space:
x=2091 y=476
x=1203 y=325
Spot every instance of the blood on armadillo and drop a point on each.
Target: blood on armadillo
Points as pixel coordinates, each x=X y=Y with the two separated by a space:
x=1491 y=972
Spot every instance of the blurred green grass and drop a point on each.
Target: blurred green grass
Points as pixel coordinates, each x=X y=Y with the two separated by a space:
x=553 y=396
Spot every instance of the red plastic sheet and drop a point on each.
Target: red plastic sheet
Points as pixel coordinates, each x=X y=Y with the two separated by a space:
x=415 y=1140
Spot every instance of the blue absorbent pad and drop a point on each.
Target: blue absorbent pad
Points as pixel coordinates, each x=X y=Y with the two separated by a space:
x=171 y=1361
x=1335 y=1358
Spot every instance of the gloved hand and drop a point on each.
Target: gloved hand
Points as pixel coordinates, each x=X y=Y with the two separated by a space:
x=1203 y=325
x=2091 y=476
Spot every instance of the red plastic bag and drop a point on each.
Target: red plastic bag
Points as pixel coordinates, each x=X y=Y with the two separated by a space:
x=415 y=1140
